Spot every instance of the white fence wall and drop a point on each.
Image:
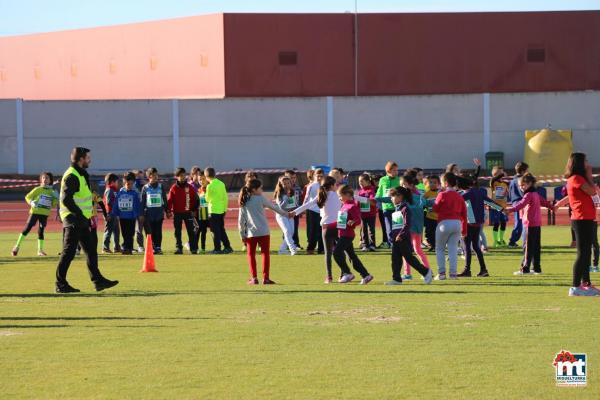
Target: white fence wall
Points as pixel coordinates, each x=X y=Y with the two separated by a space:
x=427 y=131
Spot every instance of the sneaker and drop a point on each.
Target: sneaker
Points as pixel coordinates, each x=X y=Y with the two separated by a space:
x=65 y=288
x=126 y=252
x=78 y=252
x=268 y=282
x=104 y=284
x=106 y=251
x=203 y=251
x=328 y=280
x=253 y=281
x=537 y=272
x=372 y=248
x=428 y=277
x=141 y=250
x=41 y=253
x=384 y=245
x=158 y=251
x=244 y=248
x=497 y=244
x=484 y=249
x=364 y=248
x=513 y=245
x=346 y=278
x=591 y=288
x=483 y=274
x=217 y=252
x=228 y=250
x=521 y=272
x=15 y=251
x=194 y=251
x=393 y=282
x=294 y=252
x=460 y=251
x=178 y=251
x=283 y=252
x=366 y=279
x=453 y=276
x=407 y=277
x=424 y=245
x=187 y=246
x=579 y=291
x=594 y=269
x=440 y=277
x=466 y=273
x=502 y=243
x=117 y=250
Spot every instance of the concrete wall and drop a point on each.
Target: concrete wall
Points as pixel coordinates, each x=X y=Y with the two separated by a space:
x=426 y=131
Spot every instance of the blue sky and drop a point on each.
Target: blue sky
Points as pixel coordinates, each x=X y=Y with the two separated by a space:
x=31 y=16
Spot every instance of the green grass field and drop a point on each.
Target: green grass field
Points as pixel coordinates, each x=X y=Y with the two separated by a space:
x=195 y=330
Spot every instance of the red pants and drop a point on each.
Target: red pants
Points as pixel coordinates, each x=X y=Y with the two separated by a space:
x=264 y=242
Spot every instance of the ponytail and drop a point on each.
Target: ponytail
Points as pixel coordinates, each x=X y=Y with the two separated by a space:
x=327 y=184
x=247 y=191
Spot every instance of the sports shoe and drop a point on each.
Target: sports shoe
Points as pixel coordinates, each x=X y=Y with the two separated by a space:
x=372 y=248
x=497 y=244
x=364 y=248
x=158 y=251
x=484 y=249
x=15 y=251
x=579 y=291
x=366 y=279
x=268 y=282
x=483 y=274
x=293 y=252
x=187 y=246
x=346 y=278
x=466 y=273
x=594 y=269
x=178 y=251
x=424 y=245
x=591 y=288
x=106 y=251
x=217 y=252
x=440 y=277
x=384 y=245
x=65 y=288
x=126 y=252
x=104 y=284
x=428 y=277
x=407 y=277
x=393 y=283
x=41 y=253
x=244 y=248
x=228 y=250
x=253 y=281
x=502 y=243
x=537 y=272
x=283 y=252
x=141 y=250
x=513 y=245
x=328 y=280
x=453 y=276
x=521 y=272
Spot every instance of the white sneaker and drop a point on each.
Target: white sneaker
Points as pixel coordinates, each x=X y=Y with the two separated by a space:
x=392 y=283
x=578 y=291
x=283 y=252
x=346 y=278
x=519 y=272
x=293 y=252
x=428 y=278
x=141 y=249
x=366 y=279
x=187 y=246
x=440 y=277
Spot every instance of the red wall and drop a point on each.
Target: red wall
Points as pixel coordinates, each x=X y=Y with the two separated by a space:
x=324 y=44
x=477 y=52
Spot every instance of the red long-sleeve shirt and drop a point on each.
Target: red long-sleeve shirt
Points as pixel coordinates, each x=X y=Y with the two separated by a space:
x=450 y=205
x=182 y=198
x=351 y=207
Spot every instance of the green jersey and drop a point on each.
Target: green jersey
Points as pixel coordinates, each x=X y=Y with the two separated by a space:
x=385 y=184
x=42 y=199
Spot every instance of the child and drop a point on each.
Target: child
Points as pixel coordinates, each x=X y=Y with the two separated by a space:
x=182 y=202
x=202 y=218
x=111 y=228
x=384 y=243
x=254 y=228
x=416 y=205
x=218 y=201
x=154 y=205
x=401 y=245
x=196 y=178
x=139 y=226
x=432 y=183
x=41 y=199
x=475 y=201
x=96 y=202
x=127 y=210
x=514 y=196
x=386 y=183
x=285 y=198
x=338 y=175
x=368 y=212
x=328 y=203
x=313 y=218
x=348 y=219
x=290 y=173
x=452 y=222
x=531 y=215
x=500 y=196
x=420 y=184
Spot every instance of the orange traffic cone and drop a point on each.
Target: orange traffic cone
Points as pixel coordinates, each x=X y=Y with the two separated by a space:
x=149 y=265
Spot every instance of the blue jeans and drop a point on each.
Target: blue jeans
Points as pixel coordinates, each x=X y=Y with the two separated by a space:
x=517 y=231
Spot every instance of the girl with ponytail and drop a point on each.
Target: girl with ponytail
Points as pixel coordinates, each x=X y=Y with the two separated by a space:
x=254 y=228
x=285 y=197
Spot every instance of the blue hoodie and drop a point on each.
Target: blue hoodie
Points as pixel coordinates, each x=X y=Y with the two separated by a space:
x=127 y=204
x=476 y=201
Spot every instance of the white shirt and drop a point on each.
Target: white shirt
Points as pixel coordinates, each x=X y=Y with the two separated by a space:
x=329 y=212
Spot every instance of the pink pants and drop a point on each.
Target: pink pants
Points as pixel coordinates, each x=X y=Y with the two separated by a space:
x=415 y=238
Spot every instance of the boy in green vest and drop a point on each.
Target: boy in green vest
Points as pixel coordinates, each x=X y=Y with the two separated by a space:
x=41 y=199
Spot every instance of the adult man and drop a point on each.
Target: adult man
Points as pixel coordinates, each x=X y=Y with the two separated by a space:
x=75 y=212
x=217 y=199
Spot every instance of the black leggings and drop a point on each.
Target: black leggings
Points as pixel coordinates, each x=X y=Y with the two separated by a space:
x=472 y=244
x=595 y=247
x=343 y=247
x=367 y=233
x=532 y=250
x=127 y=232
x=381 y=217
x=313 y=231
x=584 y=234
x=34 y=219
x=404 y=250
x=330 y=237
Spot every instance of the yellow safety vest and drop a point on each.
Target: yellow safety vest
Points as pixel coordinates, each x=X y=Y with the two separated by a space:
x=83 y=198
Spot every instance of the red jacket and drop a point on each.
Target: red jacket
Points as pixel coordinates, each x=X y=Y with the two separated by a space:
x=451 y=205
x=351 y=207
x=182 y=198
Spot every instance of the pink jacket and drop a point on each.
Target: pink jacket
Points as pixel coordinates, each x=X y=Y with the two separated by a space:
x=353 y=210
x=530 y=208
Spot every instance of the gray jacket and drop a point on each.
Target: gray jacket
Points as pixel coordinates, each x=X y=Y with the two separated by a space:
x=252 y=221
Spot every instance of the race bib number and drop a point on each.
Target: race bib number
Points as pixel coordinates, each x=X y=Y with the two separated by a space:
x=154 y=200
x=342 y=220
x=470 y=214
x=290 y=202
x=44 y=201
x=596 y=200
x=397 y=220
x=500 y=193
x=126 y=203
x=203 y=203
x=387 y=192
x=365 y=206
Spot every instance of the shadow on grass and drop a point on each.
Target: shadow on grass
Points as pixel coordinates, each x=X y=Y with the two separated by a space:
x=102 y=318
x=80 y=295
x=31 y=326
